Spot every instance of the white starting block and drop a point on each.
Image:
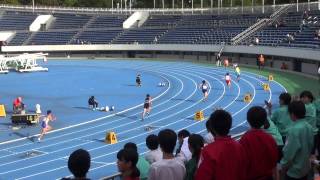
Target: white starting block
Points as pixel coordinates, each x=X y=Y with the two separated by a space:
x=106 y=109
x=38 y=109
x=161 y=84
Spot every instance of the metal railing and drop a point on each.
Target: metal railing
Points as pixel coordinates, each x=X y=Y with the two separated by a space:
x=225 y=10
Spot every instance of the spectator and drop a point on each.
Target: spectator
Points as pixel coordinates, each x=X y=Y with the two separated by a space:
x=319 y=72
x=183 y=150
x=195 y=143
x=280 y=116
x=317 y=106
x=256 y=41
x=79 y=164
x=127 y=161
x=296 y=152
x=93 y=102
x=284 y=66
x=208 y=138
x=142 y=164
x=224 y=159
x=259 y=147
x=169 y=168
x=18 y=105
x=155 y=153
x=307 y=98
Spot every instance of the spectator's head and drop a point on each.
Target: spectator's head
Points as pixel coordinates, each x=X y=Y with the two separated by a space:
x=208 y=126
x=183 y=134
x=220 y=122
x=130 y=145
x=127 y=162
x=256 y=117
x=152 y=142
x=79 y=163
x=196 y=143
x=297 y=110
x=306 y=97
x=167 y=140
x=284 y=98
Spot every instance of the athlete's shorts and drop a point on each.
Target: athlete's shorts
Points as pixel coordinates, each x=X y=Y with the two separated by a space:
x=146 y=106
x=228 y=82
x=204 y=91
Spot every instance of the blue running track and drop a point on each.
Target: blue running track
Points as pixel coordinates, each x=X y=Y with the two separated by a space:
x=68 y=84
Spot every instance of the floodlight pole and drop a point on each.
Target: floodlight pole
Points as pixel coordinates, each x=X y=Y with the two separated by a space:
x=192 y=6
x=297 y=5
x=262 y=6
x=154 y=4
x=130 y=5
x=33 y=6
x=172 y=4
x=183 y=4
x=252 y=6
x=211 y=5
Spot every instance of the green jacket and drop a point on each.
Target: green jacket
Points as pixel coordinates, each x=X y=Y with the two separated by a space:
x=143 y=166
x=191 y=167
x=311 y=117
x=297 y=149
x=282 y=120
x=274 y=132
x=316 y=104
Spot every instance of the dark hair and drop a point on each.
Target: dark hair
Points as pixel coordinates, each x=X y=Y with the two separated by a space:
x=130 y=155
x=220 y=122
x=256 y=116
x=130 y=145
x=285 y=98
x=227 y=74
x=203 y=81
x=49 y=112
x=307 y=94
x=297 y=108
x=79 y=163
x=208 y=126
x=167 y=140
x=148 y=95
x=183 y=133
x=196 y=142
x=152 y=142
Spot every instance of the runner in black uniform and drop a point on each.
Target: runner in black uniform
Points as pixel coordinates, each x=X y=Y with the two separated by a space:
x=146 y=106
x=204 y=87
x=138 y=80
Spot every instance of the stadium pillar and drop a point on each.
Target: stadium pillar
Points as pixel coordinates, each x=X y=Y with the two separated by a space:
x=182 y=5
x=262 y=6
x=297 y=5
x=154 y=4
x=211 y=5
x=252 y=6
x=192 y=6
x=242 y=6
x=162 y=4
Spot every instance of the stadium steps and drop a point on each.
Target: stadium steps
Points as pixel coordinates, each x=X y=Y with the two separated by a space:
x=26 y=42
x=76 y=36
x=118 y=36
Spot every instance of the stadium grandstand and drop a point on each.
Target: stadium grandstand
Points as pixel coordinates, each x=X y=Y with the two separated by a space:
x=168 y=49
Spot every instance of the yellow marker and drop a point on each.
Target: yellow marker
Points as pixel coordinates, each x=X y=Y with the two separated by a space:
x=247 y=98
x=270 y=77
x=199 y=116
x=111 y=138
x=266 y=86
x=2 y=111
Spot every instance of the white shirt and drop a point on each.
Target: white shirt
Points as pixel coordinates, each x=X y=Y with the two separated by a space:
x=228 y=77
x=319 y=70
x=153 y=156
x=167 y=169
x=208 y=138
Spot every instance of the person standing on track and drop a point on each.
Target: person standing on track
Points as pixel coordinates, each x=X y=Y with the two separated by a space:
x=228 y=80
x=146 y=106
x=45 y=127
x=238 y=72
x=138 y=80
x=204 y=88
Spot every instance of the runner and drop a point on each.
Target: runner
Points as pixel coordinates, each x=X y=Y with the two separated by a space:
x=238 y=71
x=204 y=87
x=45 y=127
x=228 y=80
x=138 y=80
x=146 y=106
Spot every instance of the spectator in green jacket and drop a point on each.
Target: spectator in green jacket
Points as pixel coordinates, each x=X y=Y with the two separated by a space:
x=280 y=116
x=297 y=149
x=196 y=143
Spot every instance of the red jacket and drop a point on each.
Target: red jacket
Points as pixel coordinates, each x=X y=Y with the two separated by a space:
x=223 y=159
x=262 y=154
